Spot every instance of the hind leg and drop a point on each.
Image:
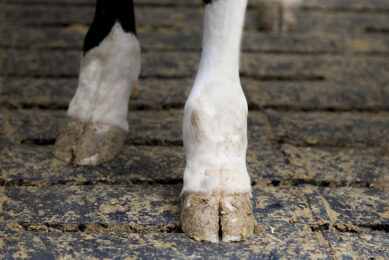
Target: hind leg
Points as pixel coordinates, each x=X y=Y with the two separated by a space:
x=216 y=192
x=110 y=66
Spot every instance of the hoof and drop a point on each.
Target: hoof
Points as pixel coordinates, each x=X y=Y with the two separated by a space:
x=200 y=216
x=88 y=144
x=212 y=218
x=279 y=15
x=236 y=217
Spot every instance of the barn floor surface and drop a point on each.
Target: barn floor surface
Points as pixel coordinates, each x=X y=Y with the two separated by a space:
x=318 y=136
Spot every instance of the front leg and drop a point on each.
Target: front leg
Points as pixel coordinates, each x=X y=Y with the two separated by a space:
x=216 y=192
x=97 y=126
x=216 y=182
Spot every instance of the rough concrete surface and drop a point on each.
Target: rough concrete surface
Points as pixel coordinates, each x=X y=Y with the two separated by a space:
x=318 y=131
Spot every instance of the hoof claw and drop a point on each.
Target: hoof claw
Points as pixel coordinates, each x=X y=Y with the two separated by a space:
x=212 y=218
x=236 y=217
x=88 y=144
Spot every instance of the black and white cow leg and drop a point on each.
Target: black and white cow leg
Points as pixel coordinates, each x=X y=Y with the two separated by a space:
x=216 y=192
x=279 y=15
x=110 y=67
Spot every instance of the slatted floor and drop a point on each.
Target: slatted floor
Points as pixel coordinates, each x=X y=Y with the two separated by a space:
x=318 y=133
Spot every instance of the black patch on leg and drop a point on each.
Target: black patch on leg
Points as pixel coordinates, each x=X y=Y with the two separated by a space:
x=207 y=1
x=107 y=13
x=126 y=15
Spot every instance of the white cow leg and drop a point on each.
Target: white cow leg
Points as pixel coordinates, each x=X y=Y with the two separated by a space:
x=216 y=192
x=98 y=126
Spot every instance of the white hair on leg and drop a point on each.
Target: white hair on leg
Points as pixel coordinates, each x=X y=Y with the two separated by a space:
x=107 y=77
x=215 y=133
x=215 y=122
x=98 y=125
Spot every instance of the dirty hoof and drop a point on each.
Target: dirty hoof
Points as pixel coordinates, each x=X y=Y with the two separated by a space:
x=279 y=15
x=200 y=216
x=212 y=218
x=67 y=141
x=88 y=144
x=236 y=217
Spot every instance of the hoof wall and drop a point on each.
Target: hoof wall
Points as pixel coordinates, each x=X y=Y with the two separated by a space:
x=211 y=218
x=88 y=144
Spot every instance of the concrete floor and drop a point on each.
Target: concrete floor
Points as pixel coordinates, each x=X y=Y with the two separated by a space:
x=318 y=136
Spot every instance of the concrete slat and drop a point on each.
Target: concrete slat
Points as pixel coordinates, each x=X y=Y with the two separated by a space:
x=150 y=207
x=331 y=129
x=341 y=166
x=287 y=241
x=348 y=207
x=158 y=93
x=358 y=246
x=148 y=164
x=184 y=64
x=71 y=37
x=332 y=4
x=145 y=126
x=186 y=17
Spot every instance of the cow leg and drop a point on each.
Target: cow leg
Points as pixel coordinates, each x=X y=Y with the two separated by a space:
x=110 y=66
x=216 y=192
